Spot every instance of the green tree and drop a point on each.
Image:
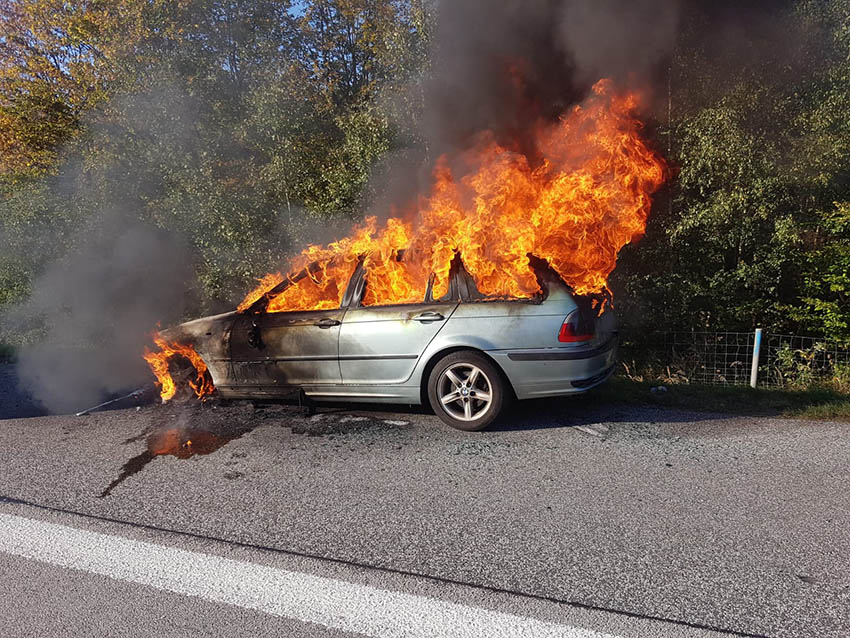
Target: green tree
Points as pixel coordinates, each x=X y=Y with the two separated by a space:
x=217 y=121
x=753 y=236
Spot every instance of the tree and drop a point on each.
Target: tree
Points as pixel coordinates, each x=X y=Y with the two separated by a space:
x=51 y=71
x=211 y=122
x=754 y=236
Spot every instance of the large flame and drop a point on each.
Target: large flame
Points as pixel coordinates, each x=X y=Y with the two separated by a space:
x=576 y=207
x=159 y=363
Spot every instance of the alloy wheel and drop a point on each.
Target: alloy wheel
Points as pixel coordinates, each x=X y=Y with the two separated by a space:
x=465 y=391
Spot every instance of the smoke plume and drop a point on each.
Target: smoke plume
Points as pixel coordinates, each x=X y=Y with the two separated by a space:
x=504 y=66
x=98 y=307
x=92 y=309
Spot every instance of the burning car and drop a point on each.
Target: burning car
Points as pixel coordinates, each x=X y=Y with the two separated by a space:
x=491 y=286
x=463 y=353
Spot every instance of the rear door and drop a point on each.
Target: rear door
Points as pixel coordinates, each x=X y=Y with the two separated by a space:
x=381 y=344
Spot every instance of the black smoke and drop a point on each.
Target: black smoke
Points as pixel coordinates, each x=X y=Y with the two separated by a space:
x=504 y=66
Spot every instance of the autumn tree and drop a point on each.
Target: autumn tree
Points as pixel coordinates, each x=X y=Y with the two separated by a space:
x=51 y=70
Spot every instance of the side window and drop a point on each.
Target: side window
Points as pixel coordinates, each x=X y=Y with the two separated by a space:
x=392 y=282
x=391 y=292
x=313 y=288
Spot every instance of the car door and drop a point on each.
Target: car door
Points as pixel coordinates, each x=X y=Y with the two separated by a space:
x=381 y=344
x=273 y=351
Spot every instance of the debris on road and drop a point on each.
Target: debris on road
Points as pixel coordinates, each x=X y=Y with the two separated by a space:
x=599 y=430
x=134 y=394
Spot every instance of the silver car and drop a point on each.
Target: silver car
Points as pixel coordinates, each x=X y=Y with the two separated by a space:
x=464 y=354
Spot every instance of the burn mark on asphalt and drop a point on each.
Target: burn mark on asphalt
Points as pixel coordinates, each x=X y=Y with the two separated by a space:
x=133 y=466
x=180 y=442
x=186 y=431
x=141 y=435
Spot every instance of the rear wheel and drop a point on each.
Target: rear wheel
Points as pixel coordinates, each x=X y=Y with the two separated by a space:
x=466 y=390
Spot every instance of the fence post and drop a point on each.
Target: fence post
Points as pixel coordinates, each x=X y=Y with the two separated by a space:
x=754 y=371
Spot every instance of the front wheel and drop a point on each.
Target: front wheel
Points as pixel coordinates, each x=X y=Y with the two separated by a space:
x=466 y=391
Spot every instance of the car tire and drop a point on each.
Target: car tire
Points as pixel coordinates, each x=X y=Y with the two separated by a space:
x=466 y=390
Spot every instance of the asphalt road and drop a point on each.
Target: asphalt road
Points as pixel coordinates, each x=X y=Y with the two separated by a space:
x=573 y=517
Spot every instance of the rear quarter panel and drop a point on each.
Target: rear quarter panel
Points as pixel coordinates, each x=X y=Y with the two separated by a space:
x=494 y=326
x=510 y=327
x=511 y=324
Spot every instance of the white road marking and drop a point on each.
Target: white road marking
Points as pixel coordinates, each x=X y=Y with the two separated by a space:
x=314 y=599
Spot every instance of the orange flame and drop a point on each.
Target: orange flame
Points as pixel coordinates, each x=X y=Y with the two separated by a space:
x=586 y=199
x=159 y=364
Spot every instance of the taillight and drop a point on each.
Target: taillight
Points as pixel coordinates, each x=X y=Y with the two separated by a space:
x=575 y=329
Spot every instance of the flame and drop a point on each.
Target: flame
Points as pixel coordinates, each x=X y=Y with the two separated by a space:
x=159 y=364
x=575 y=208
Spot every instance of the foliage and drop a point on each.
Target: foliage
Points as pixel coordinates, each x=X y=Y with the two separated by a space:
x=826 y=277
x=51 y=71
x=817 y=403
x=244 y=126
x=753 y=235
x=227 y=123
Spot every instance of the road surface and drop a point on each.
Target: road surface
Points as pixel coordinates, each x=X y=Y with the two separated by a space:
x=572 y=519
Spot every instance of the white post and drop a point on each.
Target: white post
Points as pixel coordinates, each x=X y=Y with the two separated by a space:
x=754 y=371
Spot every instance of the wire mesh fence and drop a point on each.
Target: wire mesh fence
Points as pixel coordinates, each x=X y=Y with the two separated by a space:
x=725 y=358
x=714 y=358
x=791 y=360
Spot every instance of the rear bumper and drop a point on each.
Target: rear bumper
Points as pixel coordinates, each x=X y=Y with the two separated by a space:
x=558 y=371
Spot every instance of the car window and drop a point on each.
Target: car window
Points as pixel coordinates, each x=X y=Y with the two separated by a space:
x=389 y=292
x=392 y=282
x=316 y=287
x=469 y=292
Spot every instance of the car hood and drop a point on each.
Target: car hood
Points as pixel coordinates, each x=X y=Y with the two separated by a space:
x=200 y=330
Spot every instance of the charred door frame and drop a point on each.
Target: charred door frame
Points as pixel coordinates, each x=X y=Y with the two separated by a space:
x=253 y=318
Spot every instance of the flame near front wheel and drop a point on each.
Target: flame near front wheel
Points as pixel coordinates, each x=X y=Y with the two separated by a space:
x=161 y=363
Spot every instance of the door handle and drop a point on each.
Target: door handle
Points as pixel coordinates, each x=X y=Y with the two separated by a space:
x=326 y=323
x=428 y=316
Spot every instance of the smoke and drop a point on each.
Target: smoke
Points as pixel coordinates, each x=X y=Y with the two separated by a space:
x=109 y=273
x=97 y=308
x=505 y=66
x=622 y=40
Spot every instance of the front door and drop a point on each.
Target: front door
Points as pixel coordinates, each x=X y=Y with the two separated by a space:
x=273 y=351
x=381 y=344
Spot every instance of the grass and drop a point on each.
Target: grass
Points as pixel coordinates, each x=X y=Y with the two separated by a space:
x=815 y=403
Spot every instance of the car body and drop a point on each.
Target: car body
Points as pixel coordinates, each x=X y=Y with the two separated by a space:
x=388 y=354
